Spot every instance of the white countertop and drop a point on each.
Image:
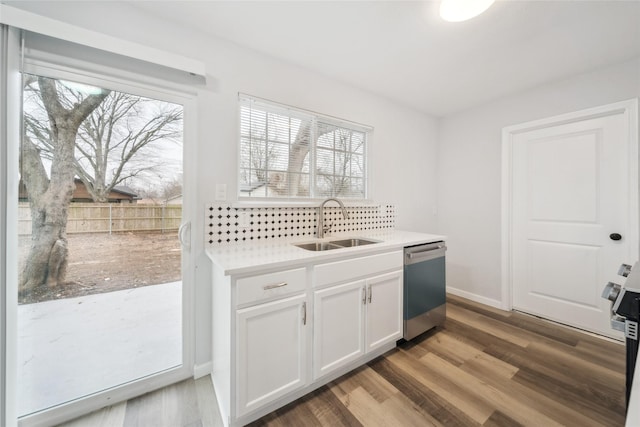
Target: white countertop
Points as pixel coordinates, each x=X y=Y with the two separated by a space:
x=255 y=256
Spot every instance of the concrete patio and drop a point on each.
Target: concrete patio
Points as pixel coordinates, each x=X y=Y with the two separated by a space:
x=73 y=347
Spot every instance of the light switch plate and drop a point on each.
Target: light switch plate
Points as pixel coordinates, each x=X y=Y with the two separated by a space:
x=221 y=192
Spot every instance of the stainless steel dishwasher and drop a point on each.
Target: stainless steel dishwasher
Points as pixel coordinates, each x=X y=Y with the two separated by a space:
x=424 y=288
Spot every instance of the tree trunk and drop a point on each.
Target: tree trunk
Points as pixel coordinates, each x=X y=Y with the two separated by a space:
x=49 y=198
x=297 y=153
x=47 y=260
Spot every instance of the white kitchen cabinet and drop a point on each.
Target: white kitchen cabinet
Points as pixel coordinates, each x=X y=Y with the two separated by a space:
x=279 y=334
x=271 y=341
x=355 y=318
x=384 y=310
x=338 y=336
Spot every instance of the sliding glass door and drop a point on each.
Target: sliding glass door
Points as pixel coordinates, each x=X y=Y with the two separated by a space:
x=100 y=268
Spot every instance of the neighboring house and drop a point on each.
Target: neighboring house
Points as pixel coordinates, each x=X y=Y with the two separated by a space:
x=119 y=194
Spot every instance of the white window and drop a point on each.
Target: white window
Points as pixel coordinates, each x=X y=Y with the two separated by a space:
x=295 y=154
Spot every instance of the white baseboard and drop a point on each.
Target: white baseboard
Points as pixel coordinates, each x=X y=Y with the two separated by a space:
x=200 y=371
x=477 y=298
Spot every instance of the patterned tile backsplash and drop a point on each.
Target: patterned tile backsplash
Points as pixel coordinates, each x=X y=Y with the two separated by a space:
x=223 y=222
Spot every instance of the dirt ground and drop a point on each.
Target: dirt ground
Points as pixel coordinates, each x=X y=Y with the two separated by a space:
x=103 y=263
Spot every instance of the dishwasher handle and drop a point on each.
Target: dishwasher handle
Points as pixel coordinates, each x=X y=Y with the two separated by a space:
x=424 y=253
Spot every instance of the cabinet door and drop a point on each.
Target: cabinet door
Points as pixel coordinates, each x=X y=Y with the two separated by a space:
x=270 y=351
x=384 y=309
x=338 y=326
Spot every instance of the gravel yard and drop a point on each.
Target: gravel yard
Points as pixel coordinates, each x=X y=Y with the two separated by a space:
x=103 y=263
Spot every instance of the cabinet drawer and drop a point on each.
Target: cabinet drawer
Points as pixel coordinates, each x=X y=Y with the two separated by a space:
x=264 y=286
x=342 y=271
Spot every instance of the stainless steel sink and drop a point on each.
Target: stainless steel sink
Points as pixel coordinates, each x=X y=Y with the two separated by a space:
x=335 y=244
x=319 y=246
x=347 y=243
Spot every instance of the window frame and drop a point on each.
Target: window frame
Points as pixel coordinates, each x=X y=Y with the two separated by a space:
x=315 y=118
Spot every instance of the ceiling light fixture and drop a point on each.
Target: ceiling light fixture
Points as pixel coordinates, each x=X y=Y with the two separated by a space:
x=461 y=10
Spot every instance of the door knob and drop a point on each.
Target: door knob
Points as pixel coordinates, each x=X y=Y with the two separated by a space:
x=615 y=236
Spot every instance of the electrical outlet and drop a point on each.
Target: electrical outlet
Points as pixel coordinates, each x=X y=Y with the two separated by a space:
x=243 y=219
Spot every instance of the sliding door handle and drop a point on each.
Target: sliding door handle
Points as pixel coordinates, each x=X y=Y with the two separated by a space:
x=184 y=234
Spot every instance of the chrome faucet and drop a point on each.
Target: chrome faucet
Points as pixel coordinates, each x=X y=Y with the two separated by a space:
x=321 y=228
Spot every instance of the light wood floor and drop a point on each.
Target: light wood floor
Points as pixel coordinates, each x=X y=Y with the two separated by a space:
x=190 y=403
x=483 y=367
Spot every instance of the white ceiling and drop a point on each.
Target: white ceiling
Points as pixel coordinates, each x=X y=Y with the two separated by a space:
x=403 y=51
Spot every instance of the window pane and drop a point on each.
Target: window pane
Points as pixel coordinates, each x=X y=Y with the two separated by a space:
x=255 y=188
x=278 y=128
x=357 y=189
x=357 y=165
x=342 y=186
x=325 y=135
x=245 y=153
x=342 y=164
x=278 y=157
x=342 y=139
x=357 y=142
x=324 y=185
x=299 y=185
x=324 y=161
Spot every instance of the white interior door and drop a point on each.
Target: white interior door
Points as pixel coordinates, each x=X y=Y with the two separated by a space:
x=571 y=191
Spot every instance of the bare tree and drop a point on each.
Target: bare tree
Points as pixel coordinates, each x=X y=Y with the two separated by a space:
x=172 y=189
x=114 y=144
x=298 y=151
x=256 y=161
x=338 y=175
x=289 y=182
x=49 y=196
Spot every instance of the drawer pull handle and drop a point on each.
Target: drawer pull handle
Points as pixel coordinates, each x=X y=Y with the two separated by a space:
x=274 y=286
x=370 y=294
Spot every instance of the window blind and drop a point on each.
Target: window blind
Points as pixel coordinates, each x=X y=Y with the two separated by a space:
x=287 y=152
x=62 y=53
x=119 y=52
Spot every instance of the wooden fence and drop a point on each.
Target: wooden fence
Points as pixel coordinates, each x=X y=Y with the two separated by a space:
x=111 y=218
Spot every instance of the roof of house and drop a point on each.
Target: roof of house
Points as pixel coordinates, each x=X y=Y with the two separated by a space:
x=123 y=189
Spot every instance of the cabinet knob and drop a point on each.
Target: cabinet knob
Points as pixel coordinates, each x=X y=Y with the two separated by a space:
x=615 y=236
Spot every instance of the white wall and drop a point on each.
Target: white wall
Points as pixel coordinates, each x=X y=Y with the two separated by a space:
x=469 y=169
x=403 y=150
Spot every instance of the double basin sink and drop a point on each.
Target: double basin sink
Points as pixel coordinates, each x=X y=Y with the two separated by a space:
x=335 y=244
